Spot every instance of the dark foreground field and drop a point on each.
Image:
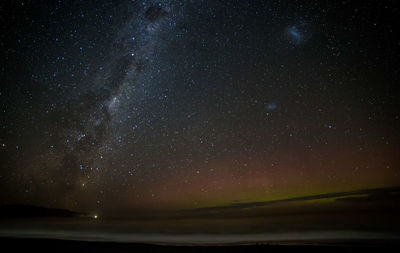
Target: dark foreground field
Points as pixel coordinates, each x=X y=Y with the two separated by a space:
x=48 y=245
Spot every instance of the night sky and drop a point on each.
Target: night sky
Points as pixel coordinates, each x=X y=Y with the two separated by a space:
x=119 y=106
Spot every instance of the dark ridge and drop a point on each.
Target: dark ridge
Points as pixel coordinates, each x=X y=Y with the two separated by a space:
x=29 y=211
x=371 y=194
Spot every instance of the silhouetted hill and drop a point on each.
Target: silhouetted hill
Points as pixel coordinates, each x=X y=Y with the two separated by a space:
x=28 y=211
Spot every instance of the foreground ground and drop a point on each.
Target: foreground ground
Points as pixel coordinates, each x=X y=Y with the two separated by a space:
x=46 y=245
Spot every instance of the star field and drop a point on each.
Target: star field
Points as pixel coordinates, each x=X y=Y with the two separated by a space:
x=154 y=105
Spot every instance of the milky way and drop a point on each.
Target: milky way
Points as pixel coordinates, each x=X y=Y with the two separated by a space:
x=153 y=105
